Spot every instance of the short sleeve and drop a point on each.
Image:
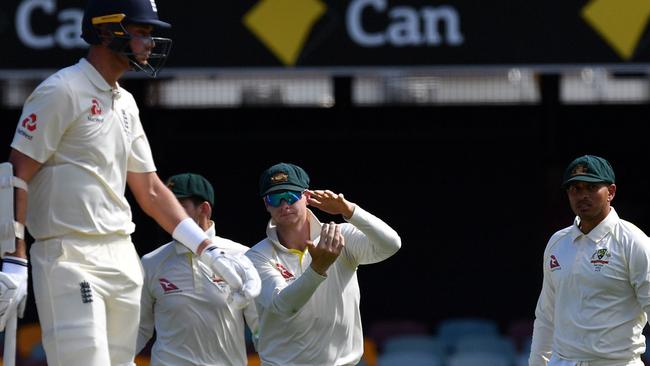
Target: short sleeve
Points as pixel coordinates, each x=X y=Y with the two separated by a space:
x=47 y=114
x=141 y=158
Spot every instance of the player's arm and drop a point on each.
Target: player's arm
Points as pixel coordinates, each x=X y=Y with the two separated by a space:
x=24 y=168
x=370 y=240
x=639 y=265
x=278 y=297
x=157 y=201
x=543 y=326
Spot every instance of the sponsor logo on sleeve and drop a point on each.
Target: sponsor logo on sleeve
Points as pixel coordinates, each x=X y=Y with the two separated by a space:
x=27 y=125
x=555 y=264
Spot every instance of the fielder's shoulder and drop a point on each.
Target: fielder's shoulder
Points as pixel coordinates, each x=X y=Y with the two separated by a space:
x=158 y=254
x=628 y=232
x=261 y=250
x=557 y=237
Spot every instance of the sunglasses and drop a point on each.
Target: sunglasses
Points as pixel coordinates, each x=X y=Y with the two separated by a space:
x=275 y=199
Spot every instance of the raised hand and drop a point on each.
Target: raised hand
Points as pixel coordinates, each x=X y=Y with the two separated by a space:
x=329 y=247
x=330 y=202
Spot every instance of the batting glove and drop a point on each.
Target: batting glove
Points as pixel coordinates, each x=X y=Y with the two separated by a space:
x=13 y=288
x=238 y=272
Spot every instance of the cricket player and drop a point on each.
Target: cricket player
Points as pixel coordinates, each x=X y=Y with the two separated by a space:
x=185 y=301
x=596 y=289
x=78 y=143
x=309 y=305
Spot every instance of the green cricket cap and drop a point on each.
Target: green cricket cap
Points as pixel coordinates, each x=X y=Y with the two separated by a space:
x=589 y=168
x=283 y=177
x=191 y=185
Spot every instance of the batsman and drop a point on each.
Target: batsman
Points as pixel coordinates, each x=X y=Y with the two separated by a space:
x=78 y=144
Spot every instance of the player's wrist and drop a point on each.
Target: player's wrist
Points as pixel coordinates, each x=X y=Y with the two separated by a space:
x=188 y=233
x=211 y=250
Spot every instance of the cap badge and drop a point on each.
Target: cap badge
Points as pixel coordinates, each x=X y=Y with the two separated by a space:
x=579 y=170
x=279 y=177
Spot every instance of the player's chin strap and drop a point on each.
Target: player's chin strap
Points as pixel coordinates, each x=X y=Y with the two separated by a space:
x=10 y=229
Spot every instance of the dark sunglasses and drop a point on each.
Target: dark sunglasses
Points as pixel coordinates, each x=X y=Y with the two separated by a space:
x=275 y=199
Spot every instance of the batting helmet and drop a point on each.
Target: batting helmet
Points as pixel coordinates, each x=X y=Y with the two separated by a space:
x=115 y=15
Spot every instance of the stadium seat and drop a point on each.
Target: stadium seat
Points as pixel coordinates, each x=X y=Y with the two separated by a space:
x=253 y=359
x=520 y=331
x=478 y=358
x=369 y=352
x=522 y=359
x=381 y=330
x=27 y=336
x=143 y=360
x=450 y=330
x=486 y=343
x=408 y=358
x=37 y=353
x=425 y=343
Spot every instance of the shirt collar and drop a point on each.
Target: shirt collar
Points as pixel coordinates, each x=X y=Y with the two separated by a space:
x=94 y=76
x=182 y=249
x=314 y=230
x=600 y=231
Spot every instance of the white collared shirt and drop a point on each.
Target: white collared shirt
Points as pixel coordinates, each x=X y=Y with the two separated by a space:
x=595 y=294
x=87 y=136
x=308 y=319
x=188 y=306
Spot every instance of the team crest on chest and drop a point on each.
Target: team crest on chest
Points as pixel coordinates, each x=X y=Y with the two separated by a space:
x=600 y=258
x=96 y=110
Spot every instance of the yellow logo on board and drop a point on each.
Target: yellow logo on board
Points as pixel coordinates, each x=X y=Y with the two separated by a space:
x=620 y=22
x=284 y=25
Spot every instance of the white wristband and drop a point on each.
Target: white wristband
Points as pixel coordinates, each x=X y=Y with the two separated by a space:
x=189 y=234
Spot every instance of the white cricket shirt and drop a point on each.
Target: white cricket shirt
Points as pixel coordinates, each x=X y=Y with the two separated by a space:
x=307 y=319
x=87 y=136
x=595 y=294
x=188 y=306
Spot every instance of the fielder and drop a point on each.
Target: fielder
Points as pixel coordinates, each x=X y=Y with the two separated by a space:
x=185 y=301
x=596 y=289
x=77 y=145
x=309 y=305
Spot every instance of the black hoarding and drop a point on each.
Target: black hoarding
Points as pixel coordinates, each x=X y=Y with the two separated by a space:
x=336 y=34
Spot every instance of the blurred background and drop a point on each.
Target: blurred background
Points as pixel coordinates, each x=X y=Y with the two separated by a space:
x=451 y=120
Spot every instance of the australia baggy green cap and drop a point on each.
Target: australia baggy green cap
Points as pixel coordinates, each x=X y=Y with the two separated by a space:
x=191 y=185
x=283 y=177
x=589 y=168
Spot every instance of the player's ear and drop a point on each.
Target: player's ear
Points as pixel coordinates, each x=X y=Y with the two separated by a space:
x=611 y=192
x=206 y=208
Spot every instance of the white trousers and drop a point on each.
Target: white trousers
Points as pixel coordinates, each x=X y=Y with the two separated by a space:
x=87 y=291
x=557 y=361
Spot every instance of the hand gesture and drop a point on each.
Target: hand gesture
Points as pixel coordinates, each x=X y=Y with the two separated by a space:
x=238 y=272
x=330 y=202
x=329 y=247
